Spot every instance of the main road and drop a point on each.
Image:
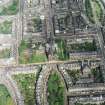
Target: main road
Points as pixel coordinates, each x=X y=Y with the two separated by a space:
x=6 y=79
x=6 y=73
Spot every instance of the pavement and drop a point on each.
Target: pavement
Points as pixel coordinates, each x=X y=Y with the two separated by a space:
x=7 y=71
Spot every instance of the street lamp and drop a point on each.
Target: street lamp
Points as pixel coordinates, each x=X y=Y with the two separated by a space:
x=29 y=3
x=42 y=17
x=1 y=1
x=53 y=1
x=57 y=31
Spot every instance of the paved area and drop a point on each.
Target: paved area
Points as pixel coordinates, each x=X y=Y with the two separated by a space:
x=4 y=2
x=11 y=66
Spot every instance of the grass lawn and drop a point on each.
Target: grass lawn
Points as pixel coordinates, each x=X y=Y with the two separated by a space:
x=5 y=53
x=11 y=9
x=55 y=90
x=37 y=24
x=26 y=83
x=36 y=58
x=87 y=46
x=97 y=74
x=89 y=12
x=5 y=98
x=26 y=57
x=6 y=27
x=97 y=9
x=93 y=10
x=23 y=58
x=62 y=50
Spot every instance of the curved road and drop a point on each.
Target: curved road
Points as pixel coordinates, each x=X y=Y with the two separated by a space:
x=6 y=79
